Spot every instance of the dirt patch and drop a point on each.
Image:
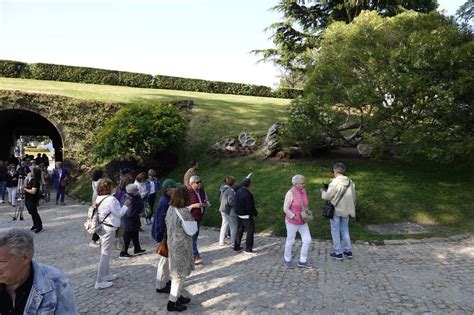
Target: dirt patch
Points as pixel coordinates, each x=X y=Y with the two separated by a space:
x=403 y=228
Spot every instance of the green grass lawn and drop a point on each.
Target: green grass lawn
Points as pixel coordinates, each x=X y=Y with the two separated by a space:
x=439 y=196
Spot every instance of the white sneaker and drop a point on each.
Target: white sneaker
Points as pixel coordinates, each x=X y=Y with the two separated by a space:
x=111 y=277
x=94 y=244
x=103 y=285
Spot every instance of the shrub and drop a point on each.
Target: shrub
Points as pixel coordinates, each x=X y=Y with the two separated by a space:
x=141 y=131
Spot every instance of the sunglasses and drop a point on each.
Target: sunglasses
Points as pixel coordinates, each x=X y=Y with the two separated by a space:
x=198 y=182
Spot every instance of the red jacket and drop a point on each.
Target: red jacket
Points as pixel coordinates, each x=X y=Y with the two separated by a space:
x=197 y=213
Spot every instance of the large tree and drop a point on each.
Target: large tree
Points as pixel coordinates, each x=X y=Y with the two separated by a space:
x=403 y=84
x=298 y=35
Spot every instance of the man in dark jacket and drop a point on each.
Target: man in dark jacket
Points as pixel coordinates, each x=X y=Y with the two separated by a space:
x=246 y=211
x=158 y=231
x=131 y=219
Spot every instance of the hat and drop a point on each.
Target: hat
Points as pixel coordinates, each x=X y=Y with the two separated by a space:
x=131 y=189
x=194 y=179
x=168 y=183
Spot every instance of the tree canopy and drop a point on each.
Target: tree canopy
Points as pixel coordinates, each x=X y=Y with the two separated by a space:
x=402 y=83
x=298 y=35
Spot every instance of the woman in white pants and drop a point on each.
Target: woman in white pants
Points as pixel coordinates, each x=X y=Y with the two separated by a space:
x=12 y=184
x=110 y=213
x=295 y=199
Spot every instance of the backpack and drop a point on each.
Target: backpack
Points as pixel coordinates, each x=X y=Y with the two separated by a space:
x=92 y=224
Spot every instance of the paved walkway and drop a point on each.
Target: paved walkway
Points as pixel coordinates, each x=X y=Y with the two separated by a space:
x=401 y=277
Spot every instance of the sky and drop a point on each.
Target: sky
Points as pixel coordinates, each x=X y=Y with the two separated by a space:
x=204 y=39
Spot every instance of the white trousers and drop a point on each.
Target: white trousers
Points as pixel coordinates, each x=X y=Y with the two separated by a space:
x=176 y=287
x=162 y=272
x=224 y=227
x=106 y=249
x=291 y=230
x=12 y=195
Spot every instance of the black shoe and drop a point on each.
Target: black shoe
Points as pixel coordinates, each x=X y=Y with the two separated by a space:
x=139 y=252
x=124 y=255
x=336 y=256
x=348 y=255
x=238 y=249
x=21 y=218
x=175 y=307
x=183 y=300
x=38 y=230
x=33 y=228
x=166 y=289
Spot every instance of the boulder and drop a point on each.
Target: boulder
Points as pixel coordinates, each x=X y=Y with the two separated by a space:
x=365 y=150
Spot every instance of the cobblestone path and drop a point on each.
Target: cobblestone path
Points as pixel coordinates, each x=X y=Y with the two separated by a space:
x=434 y=276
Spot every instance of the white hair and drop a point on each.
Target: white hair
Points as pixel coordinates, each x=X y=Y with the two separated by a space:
x=194 y=179
x=297 y=179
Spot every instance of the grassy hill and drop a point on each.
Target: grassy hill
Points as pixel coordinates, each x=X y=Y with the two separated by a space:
x=438 y=196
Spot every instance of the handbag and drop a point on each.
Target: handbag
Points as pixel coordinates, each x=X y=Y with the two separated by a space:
x=190 y=227
x=329 y=208
x=162 y=248
x=306 y=214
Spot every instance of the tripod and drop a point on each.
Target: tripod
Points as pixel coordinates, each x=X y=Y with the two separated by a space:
x=20 y=199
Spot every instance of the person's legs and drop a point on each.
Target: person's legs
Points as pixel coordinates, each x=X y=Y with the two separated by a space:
x=95 y=237
x=136 y=241
x=290 y=240
x=162 y=272
x=195 y=239
x=32 y=207
x=176 y=287
x=233 y=228
x=58 y=194
x=126 y=239
x=224 y=227
x=62 y=191
x=250 y=227
x=105 y=252
x=151 y=203
x=306 y=238
x=14 y=192
x=335 y=234
x=2 y=190
x=239 y=234
x=346 y=238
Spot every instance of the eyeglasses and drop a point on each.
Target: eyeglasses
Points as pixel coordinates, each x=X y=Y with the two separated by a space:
x=198 y=182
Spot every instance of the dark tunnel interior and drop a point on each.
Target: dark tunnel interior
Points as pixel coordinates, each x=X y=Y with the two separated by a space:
x=16 y=122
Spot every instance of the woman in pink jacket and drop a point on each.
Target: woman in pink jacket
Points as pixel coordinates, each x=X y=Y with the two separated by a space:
x=295 y=200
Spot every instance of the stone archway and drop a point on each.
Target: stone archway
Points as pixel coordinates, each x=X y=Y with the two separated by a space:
x=15 y=122
x=71 y=123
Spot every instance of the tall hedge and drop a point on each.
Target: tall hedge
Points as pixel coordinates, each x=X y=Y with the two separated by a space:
x=12 y=69
x=45 y=71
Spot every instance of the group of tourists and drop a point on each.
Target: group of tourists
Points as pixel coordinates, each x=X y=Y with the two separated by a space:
x=175 y=227
x=27 y=181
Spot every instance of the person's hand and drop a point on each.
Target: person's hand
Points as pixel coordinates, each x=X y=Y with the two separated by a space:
x=127 y=203
x=322 y=189
x=196 y=205
x=248 y=176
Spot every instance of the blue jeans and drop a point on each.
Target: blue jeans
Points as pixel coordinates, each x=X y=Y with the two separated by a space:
x=340 y=227
x=195 y=241
x=60 y=193
x=3 y=186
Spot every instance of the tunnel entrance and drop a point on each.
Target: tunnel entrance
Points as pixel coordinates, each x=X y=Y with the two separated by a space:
x=17 y=122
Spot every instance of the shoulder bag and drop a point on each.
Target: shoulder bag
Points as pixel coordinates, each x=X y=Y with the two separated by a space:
x=306 y=214
x=162 y=248
x=328 y=209
x=190 y=227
